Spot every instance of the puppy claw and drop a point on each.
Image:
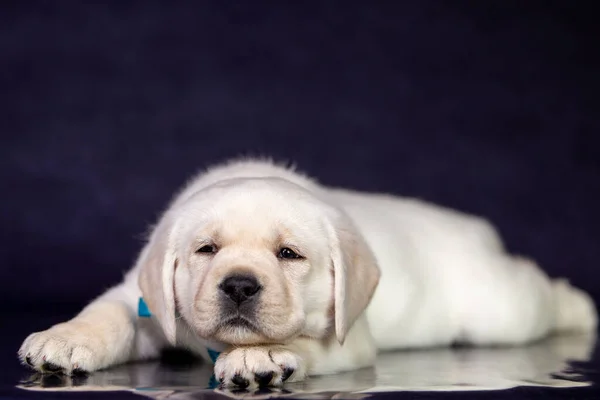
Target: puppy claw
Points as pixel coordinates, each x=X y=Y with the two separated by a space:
x=51 y=368
x=28 y=360
x=79 y=372
x=263 y=378
x=240 y=381
x=287 y=372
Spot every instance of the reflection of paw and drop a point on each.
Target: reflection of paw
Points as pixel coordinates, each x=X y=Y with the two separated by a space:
x=72 y=348
x=259 y=366
x=41 y=381
x=261 y=393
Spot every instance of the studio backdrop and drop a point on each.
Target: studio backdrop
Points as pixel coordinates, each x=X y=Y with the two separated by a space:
x=108 y=108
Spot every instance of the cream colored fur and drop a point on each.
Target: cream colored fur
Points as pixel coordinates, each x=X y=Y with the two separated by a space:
x=377 y=272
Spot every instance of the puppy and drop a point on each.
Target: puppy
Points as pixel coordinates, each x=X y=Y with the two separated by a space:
x=286 y=278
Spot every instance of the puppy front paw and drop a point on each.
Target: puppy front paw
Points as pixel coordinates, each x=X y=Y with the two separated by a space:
x=259 y=366
x=71 y=348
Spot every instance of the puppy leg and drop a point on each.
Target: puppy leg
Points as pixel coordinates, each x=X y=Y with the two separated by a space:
x=574 y=309
x=523 y=304
x=105 y=333
x=273 y=365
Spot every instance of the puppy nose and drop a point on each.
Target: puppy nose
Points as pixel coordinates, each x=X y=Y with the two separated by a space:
x=240 y=288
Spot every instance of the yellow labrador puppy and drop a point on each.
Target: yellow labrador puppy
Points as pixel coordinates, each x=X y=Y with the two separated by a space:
x=275 y=277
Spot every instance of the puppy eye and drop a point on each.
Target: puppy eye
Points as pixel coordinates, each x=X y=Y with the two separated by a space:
x=287 y=253
x=207 y=249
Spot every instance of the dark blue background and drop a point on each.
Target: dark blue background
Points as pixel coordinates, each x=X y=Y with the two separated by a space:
x=106 y=109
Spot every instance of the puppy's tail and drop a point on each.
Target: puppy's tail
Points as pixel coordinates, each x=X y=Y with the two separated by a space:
x=575 y=309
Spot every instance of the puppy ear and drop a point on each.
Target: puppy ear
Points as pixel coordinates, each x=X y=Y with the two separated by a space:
x=157 y=263
x=356 y=273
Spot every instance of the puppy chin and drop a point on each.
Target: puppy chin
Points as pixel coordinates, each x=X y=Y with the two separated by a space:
x=240 y=336
x=244 y=332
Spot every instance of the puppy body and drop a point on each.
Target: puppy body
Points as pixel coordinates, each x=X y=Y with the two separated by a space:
x=372 y=272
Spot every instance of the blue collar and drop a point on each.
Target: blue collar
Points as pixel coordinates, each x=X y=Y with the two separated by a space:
x=144 y=312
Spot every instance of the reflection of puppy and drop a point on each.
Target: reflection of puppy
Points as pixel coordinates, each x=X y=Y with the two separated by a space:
x=276 y=271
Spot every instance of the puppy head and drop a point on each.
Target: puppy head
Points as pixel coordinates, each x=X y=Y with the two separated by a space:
x=252 y=261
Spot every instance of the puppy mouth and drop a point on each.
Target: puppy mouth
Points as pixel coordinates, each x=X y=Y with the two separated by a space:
x=237 y=322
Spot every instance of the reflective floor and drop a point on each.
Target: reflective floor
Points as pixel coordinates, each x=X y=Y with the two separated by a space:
x=553 y=364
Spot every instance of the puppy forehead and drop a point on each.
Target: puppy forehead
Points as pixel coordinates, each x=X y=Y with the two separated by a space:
x=264 y=221
x=260 y=209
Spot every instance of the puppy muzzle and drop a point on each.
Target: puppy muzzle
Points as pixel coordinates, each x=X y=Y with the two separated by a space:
x=239 y=296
